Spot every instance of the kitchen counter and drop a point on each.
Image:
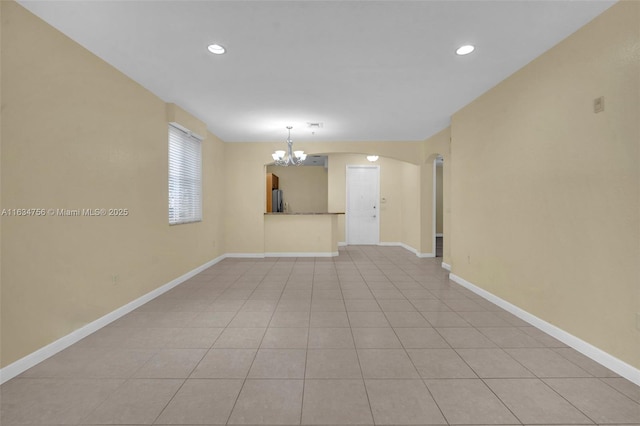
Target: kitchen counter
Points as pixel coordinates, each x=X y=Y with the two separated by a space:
x=300 y=213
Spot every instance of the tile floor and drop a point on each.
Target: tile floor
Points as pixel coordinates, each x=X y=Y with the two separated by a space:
x=374 y=336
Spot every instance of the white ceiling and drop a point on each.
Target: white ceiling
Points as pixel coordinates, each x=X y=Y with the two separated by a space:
x=368 y=70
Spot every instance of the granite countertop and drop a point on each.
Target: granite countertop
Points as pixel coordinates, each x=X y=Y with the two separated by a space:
x=301 y=213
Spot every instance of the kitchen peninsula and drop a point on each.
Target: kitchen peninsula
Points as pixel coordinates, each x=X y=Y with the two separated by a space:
x=301 y=234
x=302 y=227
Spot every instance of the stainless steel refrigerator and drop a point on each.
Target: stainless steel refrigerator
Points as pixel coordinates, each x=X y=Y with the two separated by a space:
x=276 y=200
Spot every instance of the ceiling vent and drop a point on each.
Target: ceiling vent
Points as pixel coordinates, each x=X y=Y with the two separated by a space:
x=315 y=125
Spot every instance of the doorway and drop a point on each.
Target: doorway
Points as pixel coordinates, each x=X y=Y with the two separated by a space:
x=438 y=207
x=363 y=209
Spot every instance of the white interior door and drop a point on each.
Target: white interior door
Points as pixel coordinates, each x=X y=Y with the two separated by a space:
x=363 y=208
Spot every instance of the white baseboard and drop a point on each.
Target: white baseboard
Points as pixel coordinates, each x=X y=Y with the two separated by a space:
x=244 y=255
x=399 y=244
x=342 y=244
x=409 y=248
x=446 y=266
x=598 y=355
x=439 y=235
x=423 y=255
x=301 y=254
x=406 y=247
x=34 y=358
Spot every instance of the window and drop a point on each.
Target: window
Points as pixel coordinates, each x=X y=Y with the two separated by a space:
x=185 y=176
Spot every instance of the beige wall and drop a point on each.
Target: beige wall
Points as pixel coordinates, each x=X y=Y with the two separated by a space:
x=545 y=193
x=244 y=180
x=439 y=208
x=410 y=219
x=1 y=203
x=304 y=188
x=76 y=133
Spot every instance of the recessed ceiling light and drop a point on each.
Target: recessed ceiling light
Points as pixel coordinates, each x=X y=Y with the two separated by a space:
x=216 y=49
x=465 y=50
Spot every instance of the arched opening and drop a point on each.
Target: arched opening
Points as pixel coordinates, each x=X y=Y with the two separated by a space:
x=434 y=216
x=438 y=206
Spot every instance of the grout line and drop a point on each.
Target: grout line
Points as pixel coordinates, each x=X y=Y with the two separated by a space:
x=413 y=364
x=500 y=399
x=614 y=388
x=259 y=344
x=541 y=379
x=355 y=346
x=306 y=357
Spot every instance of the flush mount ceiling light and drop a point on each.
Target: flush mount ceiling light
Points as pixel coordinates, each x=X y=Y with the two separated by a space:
x=372 y=158
x=465 y=50
x=216 y=49
x=290 y=157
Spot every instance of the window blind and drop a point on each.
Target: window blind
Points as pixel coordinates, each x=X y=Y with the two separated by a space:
x=185 y=176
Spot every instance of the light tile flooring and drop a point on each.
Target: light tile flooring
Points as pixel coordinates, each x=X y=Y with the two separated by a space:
x=374 y=336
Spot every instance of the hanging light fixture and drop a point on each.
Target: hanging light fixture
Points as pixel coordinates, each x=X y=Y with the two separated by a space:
x=289 y=157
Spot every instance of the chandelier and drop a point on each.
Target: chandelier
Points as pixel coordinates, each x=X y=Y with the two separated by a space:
x=290 y=157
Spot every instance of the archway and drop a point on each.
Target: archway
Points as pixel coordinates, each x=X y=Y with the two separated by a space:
x=438 y=206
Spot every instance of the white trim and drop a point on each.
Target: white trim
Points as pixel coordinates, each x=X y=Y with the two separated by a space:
x=342 y=244
x=411 y=249
x=406 y=247
x=423 y=255
x=302 y=254
x=34 y=358
x=446 y=266
x=598 y=355
x=439 y=234
x=185 y=130
x=245 y=255
x=434 y=201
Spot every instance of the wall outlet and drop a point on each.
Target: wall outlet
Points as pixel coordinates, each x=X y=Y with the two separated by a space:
x=115 y=279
